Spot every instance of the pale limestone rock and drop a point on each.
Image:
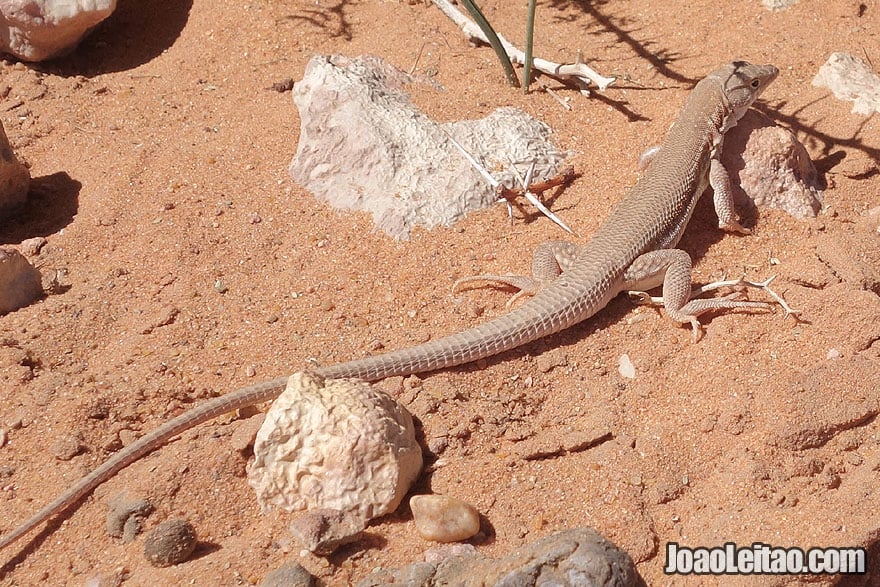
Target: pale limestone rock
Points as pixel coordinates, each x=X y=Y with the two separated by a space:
x=334 y=444
x=364 y=146
x=778 y=4
x=444 y=519
x=35 y=30
x=850 y=78
x=14 y=176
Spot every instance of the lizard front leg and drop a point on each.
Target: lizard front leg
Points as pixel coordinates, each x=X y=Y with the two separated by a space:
x=722 y=195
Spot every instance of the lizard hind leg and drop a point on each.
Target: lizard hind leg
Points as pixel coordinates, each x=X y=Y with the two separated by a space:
x=551 y=259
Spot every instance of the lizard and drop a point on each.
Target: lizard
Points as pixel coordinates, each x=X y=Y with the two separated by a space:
x=633 y=249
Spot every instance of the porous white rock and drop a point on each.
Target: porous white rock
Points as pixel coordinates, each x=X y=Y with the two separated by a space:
x=34 y=30
x=850 y=78
x=337 y=444
x=364 y=146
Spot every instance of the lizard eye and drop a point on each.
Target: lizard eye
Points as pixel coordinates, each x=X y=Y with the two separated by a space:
x=756 y=83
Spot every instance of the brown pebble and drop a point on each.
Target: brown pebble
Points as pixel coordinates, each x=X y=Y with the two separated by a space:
x=31 y=247
x=444 y=519
x=170 y=543
x=290 y=574
x=124 y=516
x=67 y=447
x=322 y=531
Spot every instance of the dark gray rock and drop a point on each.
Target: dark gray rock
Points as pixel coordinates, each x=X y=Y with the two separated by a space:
x=170 y=543
x=288 y=575
x=579 y=557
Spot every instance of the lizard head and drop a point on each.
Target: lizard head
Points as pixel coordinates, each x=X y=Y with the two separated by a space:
x=743 y=82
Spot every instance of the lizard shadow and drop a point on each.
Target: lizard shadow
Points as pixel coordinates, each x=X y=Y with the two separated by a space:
x=30 y=546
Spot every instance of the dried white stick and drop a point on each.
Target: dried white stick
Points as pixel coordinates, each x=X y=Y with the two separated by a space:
x=525 y=183
x=495 y=184
x=580 y=72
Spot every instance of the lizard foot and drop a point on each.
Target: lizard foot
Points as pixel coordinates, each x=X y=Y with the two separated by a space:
x=641 y=297
x=527 y=286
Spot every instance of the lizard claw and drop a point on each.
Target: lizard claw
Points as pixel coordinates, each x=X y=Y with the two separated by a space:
x=734 y=226
x=765 y=286
x=527 y=286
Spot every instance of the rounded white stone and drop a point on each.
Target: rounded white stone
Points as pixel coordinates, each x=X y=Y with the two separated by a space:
x=337 y=444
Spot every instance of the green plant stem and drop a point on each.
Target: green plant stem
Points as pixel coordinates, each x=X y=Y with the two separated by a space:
x=487 y=29
x=530 y=33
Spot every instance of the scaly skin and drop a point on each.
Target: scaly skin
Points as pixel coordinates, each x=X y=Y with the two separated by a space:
x=633 y=247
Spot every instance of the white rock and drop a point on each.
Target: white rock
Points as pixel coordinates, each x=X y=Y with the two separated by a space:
x=444 y=519
x=364 y=146
x=778 y=4
x=34 y=30
x=337 y=444
x=625 y=367
x=850 y=78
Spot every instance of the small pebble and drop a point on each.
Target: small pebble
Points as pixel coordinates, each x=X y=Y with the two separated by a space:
x=170 y=543
x=322 y=531
x=124 y=516
x=31 y=247
x=444 y=519
x=67 y=447
x=20 y=282
x=288 y=575
x=626 y=367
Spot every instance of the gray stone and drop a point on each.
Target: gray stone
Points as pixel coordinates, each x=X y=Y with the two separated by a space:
x=323 y=531
x=288 y=575
x=170 y=543
x=578 y=557
x=125 y=516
